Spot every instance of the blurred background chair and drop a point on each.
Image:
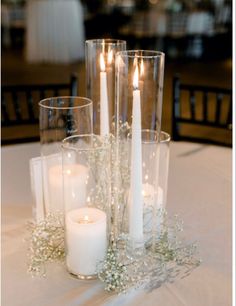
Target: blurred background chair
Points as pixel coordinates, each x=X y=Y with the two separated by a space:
x=20 y=110
x=12 y=23
x=205 y=110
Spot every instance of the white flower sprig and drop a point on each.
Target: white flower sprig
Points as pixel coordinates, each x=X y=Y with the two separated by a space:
x=169 y=259
x=114 y=273
x=46 y=243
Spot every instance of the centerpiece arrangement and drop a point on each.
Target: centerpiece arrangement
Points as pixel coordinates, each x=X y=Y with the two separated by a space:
x=105 y=176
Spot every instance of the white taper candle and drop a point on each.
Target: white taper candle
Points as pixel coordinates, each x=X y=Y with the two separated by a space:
x=136 y=198
x=104 y=111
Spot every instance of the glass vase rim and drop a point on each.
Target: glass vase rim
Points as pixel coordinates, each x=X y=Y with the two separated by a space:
x=166 y=139
x=147 y=53
x=108 y=41
x=89 y=102
x=69 y=146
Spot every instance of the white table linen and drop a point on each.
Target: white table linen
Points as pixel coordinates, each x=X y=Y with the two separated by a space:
x=199 y=192
x=55 y=31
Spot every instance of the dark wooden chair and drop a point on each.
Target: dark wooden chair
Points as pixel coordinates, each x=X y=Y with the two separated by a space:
x=20 y=110
x=201 y=113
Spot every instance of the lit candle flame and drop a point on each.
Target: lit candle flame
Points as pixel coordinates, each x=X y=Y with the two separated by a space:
x=86 y=218
x=142 y=68
x=68 y=171
x=102 y=63
x=110 y=56
x=136 y=77
x=118 y=61
x=103 y=46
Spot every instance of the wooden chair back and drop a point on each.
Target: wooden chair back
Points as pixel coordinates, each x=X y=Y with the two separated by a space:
x=205 y=106
x=19 y=106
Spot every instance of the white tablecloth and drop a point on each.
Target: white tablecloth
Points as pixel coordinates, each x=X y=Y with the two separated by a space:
x=199 y=191
x=55 y=31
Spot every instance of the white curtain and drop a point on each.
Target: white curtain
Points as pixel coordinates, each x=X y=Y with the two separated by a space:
x=55 y=31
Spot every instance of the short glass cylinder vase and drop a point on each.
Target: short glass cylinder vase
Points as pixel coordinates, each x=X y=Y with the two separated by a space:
x=155 y=169
x=59 y=118
x=164 y=160
x=100 y=80
x=139 y=76
x=86 y=181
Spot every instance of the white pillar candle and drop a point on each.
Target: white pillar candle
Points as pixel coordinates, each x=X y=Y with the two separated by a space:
x=86 y=240
x=104 y=111
x=73 y=185
x=37 y=188
x=51 y=204
x=136 y=199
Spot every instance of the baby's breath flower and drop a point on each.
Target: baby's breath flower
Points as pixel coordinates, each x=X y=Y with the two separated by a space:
x=46 y=243
x=170 y=258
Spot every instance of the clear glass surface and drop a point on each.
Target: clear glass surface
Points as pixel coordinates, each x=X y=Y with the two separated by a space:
x=139 y=77
x=100 y=80
x=59 y=118
x=87 y=197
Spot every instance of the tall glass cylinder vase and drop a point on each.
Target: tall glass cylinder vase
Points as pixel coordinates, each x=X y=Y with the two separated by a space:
x=100 y=79
x=86 y=182
x=139 y=76
x=59 y=118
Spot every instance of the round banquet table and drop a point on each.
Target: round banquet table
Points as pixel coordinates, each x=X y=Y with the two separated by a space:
x=55 y=31
x=199 y=192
